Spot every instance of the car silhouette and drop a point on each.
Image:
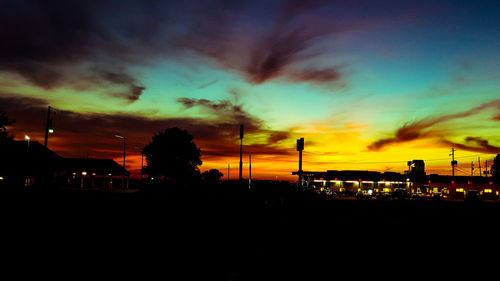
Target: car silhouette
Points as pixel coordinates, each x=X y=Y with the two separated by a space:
x=472 y=196
x=418 y=196
x=437 y=196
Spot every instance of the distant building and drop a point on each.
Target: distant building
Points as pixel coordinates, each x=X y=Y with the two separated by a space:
x=415 y=180
x=95 y=173
x=350 y=182
x=30 y=164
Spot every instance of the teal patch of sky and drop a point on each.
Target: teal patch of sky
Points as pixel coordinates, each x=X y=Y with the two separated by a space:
x=282 y=104
x=169 y=80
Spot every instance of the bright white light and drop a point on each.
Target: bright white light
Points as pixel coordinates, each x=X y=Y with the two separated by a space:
x=26 y=137
x=51 y=130
x=118 y=136
x=84 y=173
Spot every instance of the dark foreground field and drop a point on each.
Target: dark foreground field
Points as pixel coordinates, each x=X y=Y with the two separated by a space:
x=232 y=234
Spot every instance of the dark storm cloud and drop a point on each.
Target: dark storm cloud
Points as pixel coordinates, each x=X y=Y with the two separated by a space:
x=425 y=127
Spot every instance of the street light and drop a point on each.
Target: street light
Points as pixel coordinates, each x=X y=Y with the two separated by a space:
x=124 y=141
x=48 y=125
x=26 y=137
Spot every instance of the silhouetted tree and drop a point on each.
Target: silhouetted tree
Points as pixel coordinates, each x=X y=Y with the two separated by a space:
x=212 y=176
x=495 y=168
x=172 y=156
x=4 y=133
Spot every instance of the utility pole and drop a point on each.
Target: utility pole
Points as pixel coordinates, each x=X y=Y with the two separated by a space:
x=300 y=147
x=48 y=126
x=472 y=168
x=479 y=163
x=241 y=153
x=249 y=171
x=228 y=166
x=486 y=172
x=453 y=162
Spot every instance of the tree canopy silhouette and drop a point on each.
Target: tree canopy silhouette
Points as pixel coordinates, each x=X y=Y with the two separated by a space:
x=172 y=156
x=4 y=133
x=212 y=176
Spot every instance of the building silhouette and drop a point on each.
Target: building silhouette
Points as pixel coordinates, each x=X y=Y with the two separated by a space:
x=415 y=180
x=29 y=164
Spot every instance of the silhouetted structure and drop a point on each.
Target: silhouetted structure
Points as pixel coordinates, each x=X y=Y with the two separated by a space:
x=29 y=164
x=95 y=173
x=416 y=180
x=240 y=177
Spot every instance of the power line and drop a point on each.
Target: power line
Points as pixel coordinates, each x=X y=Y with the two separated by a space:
x=396 y=162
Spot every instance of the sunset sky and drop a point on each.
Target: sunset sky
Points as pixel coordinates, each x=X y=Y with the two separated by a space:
x=368 y=84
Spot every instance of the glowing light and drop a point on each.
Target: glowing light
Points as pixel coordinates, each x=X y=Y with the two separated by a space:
x=459 y=190
x=26 y=137
x=488 y=190
x=51 y=130
x=84 y=173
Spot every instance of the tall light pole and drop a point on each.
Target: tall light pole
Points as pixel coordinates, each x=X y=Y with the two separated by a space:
x=124 y=143
x=250 y=171
x=26 y=137
x=48 y=126
x=300 y=148
x=241 y=153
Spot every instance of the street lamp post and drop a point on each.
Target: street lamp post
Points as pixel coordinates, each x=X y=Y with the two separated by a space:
x=124 y=145
x=48 y=126
x=26 y=137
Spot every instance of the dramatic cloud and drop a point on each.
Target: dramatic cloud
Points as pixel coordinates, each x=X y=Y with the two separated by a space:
x=67 y=43
x=421 y=128
x=286 y=44
x=95 y=44
x=261 y=54
x=224 y=110
x=316 y=75
x=82 y=135
x=475 y=144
